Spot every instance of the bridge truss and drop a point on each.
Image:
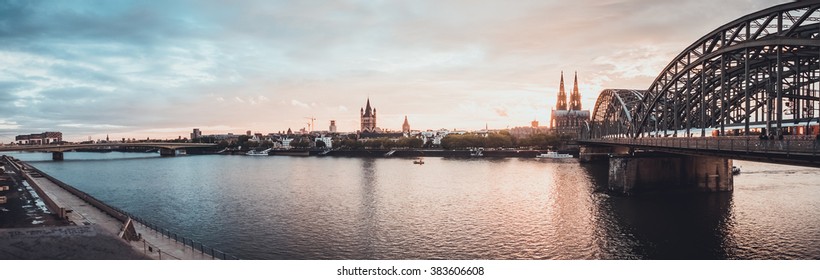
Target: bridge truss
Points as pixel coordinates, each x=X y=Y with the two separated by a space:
x=761 y=70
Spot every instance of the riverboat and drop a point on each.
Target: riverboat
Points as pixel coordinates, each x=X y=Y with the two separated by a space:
x=257 y=153
x=553 y=155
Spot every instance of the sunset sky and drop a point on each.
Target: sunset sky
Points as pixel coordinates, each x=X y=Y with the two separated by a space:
x=158 y=69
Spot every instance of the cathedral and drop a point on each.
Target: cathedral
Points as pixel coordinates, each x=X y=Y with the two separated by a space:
x=568 y=121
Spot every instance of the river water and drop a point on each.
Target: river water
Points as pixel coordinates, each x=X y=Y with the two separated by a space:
x=389 y=208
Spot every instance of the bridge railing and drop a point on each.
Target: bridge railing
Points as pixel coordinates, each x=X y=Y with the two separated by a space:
x=123 y=215
x=788 y=145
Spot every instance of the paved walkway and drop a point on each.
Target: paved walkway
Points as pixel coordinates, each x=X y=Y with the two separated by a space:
x=83 y=213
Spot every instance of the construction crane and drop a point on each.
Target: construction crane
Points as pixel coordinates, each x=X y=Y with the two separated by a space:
x=310 y=125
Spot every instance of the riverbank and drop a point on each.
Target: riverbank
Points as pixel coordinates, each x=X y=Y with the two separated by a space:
x=75 y=225
x=418 y=153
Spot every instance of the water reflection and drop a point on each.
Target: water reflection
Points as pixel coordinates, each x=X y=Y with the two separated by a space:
x=681 y=225
x=376 y=208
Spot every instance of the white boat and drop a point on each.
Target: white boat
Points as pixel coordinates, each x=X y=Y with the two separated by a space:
x=553 y=155
x=257 y=153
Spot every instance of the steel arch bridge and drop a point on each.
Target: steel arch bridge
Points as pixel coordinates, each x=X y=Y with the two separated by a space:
x=759 y=71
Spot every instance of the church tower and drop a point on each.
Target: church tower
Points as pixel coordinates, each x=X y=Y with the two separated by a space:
x=575 y=98
x=368 y=118
x=406 y=126
x=562 y=96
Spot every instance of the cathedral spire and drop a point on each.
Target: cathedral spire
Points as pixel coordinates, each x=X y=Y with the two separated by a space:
x=562 y=96
x=575 y=97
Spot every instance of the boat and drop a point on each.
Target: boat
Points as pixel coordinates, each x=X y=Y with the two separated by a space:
x=418 y=161
x=553 y=155
x=735 y=170
x=257 y=153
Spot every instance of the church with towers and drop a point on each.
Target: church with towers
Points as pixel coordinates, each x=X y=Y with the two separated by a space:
x=368 y=119
x=569 y=119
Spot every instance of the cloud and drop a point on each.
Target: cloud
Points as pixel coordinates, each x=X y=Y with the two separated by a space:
x=298 y=103
x=6 y=124
x=133 y=66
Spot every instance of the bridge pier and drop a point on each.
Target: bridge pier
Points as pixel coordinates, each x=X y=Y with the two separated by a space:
x=631 y=174
x=165 y=152
x=57 y=156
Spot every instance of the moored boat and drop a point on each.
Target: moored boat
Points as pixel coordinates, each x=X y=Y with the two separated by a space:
x=552 y=154
x=257 y=153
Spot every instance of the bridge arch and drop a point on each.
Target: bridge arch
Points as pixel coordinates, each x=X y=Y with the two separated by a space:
x=614 y=111
x=761 y=70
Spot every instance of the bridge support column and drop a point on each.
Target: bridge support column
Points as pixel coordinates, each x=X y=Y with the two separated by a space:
x=167 y=152
x=632 y=174
x=57 y=156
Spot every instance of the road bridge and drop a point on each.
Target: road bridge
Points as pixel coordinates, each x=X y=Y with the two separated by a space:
x=165 y=148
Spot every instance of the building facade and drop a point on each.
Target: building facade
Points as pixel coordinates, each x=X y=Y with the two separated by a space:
x=39 y=138
x=569 y=120
x=368 y=119
x=196 y=134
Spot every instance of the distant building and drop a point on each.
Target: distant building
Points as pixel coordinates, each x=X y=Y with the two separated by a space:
x=569 y=121
x=368 y=119
x=525 y=131
x=326 y=139
x=286 y=142
x=40 y=138
x=332 y=126
x=405 y=128
x=196 y=134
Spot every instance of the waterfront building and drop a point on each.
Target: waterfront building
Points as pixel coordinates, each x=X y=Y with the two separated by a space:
x=326 y=139
x=368 y=119
x=286 y=142
x=39 y=138
x=568 y=120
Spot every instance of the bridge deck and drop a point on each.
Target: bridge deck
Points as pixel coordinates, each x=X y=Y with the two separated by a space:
x=791 y=150
x=69 y=147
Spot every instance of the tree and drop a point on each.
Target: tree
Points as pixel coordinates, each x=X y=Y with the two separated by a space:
x=321 y=144
x=300 y=143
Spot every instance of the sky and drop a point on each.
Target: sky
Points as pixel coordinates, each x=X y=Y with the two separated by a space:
x=158 y=69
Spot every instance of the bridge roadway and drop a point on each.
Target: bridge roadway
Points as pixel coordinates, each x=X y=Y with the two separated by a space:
x=69 y=147
x=165 y=148
x=793 y=150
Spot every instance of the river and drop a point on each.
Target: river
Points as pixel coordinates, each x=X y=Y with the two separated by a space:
x=280 y=207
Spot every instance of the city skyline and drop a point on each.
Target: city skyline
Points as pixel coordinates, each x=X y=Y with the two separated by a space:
x=137 y=70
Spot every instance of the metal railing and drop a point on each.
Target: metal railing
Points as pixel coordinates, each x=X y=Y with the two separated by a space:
x=124 y=215
x=193 y=244
x=787 y=146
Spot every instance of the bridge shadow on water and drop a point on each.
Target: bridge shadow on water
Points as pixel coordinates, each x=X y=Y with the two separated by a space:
x=661 y=225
